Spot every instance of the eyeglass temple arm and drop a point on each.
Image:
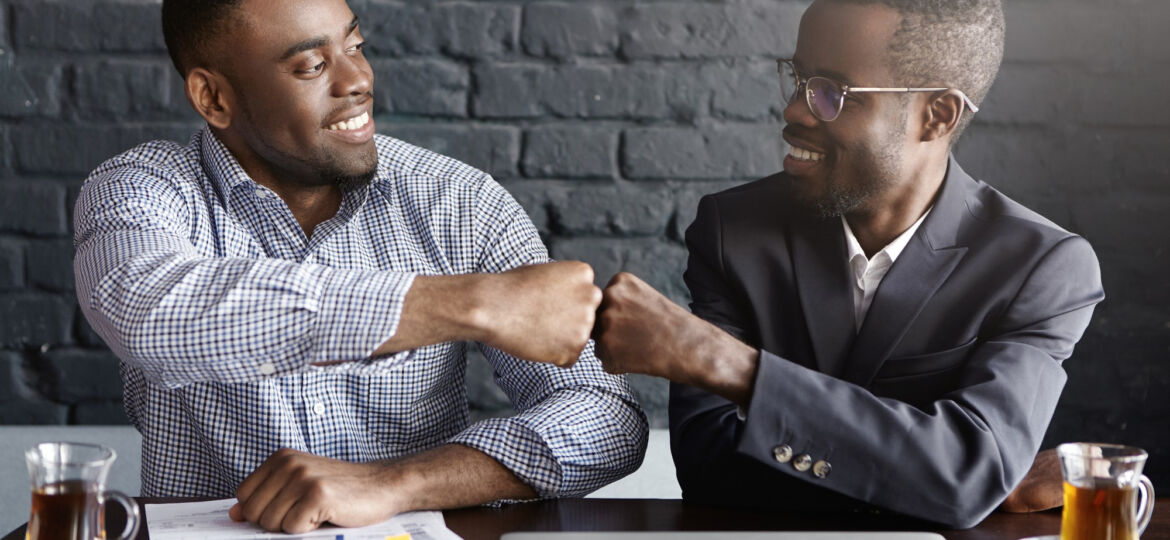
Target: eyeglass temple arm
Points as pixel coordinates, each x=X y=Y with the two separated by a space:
x=970 y=104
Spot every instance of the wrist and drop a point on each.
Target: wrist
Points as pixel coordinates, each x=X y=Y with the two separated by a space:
x=726 y=366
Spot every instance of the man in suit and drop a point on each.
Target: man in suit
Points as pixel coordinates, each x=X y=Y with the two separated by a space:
x=799 y=382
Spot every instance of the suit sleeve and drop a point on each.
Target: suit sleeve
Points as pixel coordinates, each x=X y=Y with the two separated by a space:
x=951 y=462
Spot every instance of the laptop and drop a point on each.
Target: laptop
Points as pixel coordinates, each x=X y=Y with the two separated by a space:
x=721 y=535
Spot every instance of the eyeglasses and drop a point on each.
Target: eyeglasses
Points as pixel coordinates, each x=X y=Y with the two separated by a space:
x=826 y=97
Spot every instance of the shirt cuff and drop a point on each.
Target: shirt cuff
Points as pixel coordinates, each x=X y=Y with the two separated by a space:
x=519 y=449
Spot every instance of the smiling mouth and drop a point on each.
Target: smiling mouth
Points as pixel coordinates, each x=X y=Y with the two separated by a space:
x=802 y=154
x=352 y=124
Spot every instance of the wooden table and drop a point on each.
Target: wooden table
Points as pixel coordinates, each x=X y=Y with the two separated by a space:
x=675 y=515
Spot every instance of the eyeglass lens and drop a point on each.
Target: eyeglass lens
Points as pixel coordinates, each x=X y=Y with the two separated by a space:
x=824 y=98
x=822 y=95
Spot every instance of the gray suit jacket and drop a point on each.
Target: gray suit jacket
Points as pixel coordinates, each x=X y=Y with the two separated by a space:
x=935 y=408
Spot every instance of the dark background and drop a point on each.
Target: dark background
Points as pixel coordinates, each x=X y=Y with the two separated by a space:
x=607 y=120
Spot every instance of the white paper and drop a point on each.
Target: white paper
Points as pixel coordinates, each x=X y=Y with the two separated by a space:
x=209 y=520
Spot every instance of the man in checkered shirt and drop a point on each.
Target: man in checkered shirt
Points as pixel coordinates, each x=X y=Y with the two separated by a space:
x=289 y=294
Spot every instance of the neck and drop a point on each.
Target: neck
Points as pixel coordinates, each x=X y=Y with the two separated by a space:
x=879 y=223
x=310 y=202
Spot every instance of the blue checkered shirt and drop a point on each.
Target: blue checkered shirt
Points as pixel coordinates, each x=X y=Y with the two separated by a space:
x=205 y=286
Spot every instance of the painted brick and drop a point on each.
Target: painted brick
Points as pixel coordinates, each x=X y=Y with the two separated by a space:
x=632 y=92
x=29 y=89
x=50 y=265
x=42 y=149
x=129 y=26
x=564 y=30
x=534 y=197
x=718 y=152
x=570 y=152
x=612 y=210
x=65 y=25
x=687 y=204
x=122 y=90
x=1043 y=32
x=82 y=374
x=1153 y=40
x=11 y=265
x=421 y=87
x=34 y=319
x=397 y=28
x=744 y=91
x=702 y=30
x=1028 y=94
x=32 y=208
x=493 y=149
x=1106 y=101
x=480 y=30
x=32 y=412
x=5 y=42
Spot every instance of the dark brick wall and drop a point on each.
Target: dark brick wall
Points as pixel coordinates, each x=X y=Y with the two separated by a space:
x=607 y=119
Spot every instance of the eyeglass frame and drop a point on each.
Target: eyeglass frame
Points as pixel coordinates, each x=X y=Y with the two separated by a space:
x=802 y=82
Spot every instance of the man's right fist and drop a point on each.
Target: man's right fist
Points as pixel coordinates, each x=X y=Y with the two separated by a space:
x=542 y=313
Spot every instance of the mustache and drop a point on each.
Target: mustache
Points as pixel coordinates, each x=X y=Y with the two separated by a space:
x=355 y=101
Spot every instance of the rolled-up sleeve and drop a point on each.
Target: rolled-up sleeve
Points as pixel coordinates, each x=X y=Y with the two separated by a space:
x=183 y=317
x=576 y=429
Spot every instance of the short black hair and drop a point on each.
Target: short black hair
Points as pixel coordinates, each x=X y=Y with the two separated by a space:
x=191 y=26
x=952 y=43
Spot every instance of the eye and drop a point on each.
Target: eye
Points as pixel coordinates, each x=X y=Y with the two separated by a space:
x=313 y=70
x=357 y=47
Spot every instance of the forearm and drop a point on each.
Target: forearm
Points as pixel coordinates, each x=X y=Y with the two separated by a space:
x=452 y=476
x=230 y=320
x=439 y=309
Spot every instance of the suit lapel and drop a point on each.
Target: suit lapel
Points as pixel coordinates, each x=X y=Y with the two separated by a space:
x=923 y=266
x=822 y=277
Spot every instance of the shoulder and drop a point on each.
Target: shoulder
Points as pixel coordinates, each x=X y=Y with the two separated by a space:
x=163 y=167
x=400 y=160
x=1001 y=220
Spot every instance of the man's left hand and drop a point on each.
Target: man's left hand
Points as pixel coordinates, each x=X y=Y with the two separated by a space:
x=639 y=330
x=297 y=492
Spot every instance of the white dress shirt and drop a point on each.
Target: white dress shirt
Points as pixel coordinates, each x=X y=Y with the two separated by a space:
x=868 y=273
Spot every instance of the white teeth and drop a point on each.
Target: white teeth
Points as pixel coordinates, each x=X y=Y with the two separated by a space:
x=356 y=122
x=805 y=155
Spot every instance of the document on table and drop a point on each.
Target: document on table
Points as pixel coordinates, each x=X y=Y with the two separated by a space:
x=209 y=520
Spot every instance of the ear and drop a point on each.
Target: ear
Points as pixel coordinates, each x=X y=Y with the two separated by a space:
x=943 y=112
x=211 y=95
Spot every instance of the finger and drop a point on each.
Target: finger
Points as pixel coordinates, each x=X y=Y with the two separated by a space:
x=266 y=492
x=272 y=518
x=236 y=512
x=304 y=516
x=245 y=489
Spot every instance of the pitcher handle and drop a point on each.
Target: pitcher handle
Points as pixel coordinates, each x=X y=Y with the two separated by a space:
x=133 y=516
x=1146 y=506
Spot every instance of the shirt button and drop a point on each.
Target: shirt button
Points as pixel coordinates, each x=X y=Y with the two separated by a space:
x=802 y=462
x=782 y=453
x=267 y=369
x=319 y=408
x=821 y=469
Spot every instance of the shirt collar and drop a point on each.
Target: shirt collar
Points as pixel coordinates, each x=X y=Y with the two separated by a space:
x=892 y=250
x=227 y=174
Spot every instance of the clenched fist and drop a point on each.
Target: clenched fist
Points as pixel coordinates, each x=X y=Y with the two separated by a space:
x=641 y=331
x=542 y=313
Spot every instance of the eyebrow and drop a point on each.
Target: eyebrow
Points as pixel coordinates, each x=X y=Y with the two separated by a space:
x=313 y=43
x=835 y=75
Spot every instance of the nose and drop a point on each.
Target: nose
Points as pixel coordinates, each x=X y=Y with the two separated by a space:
x=798 y=112
x=354 y=76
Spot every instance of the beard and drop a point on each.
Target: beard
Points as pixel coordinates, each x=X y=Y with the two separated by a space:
x=321 y=168
x=872 y=169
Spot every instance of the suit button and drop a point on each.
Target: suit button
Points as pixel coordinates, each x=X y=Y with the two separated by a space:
x=782 y=453
x=802 y=462
x=821 y=469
